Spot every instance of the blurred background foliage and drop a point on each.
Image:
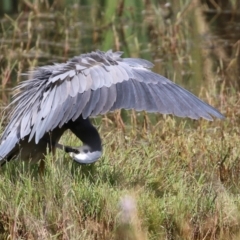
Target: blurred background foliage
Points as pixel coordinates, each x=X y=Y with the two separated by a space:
x=192 y=42
x=189 y=186
x=183 y=38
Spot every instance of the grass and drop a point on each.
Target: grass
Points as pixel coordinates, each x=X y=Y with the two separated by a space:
x=160 y=177
x=173 y=182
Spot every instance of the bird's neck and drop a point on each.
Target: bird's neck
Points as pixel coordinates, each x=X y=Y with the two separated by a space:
x=86 y=132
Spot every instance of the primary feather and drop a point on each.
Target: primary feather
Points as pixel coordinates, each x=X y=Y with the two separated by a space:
x=89 y=85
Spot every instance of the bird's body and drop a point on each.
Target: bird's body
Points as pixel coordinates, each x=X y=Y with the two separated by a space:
x=32 y=151
x=63 y=96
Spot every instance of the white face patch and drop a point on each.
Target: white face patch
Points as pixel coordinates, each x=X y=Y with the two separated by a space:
x=86 y=157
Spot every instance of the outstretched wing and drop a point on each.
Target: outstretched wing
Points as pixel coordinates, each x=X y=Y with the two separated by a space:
x=93 y=84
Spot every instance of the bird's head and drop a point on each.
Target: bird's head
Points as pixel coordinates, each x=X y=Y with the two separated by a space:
x=85 y=155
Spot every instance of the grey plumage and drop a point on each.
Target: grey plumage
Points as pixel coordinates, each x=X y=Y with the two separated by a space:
x=89 y=85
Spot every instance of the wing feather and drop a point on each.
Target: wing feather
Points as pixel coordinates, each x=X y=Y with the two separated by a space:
x=149 y=100
x=68 y=114
x=90 y=106
x=47 y=102
x=97 y=82
x=103 y=97
x=106 y=78
x=161 y=105
x=25 y=127
x=112 y=95
x=82 y=83
x=74 y=86
x=93 y=84
x=81 y=105
x=75 y=107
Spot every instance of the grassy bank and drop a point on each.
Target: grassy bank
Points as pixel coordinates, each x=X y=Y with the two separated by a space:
x=160 y=177
x=172 y=180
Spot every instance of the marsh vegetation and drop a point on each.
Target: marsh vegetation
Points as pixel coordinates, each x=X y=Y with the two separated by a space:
x=160 y=177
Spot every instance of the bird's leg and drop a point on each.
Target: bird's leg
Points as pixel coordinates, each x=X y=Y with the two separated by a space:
x=41 y=167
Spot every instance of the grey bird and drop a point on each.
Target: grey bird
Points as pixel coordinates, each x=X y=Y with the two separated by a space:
x=63 y=96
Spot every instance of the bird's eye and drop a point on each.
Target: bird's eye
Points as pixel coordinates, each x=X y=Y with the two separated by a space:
x=85 y=150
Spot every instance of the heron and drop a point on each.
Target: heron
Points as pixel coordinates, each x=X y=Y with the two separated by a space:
x=61 y=97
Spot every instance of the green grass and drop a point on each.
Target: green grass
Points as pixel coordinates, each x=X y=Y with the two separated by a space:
x=173 y=182
x=160 y=177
